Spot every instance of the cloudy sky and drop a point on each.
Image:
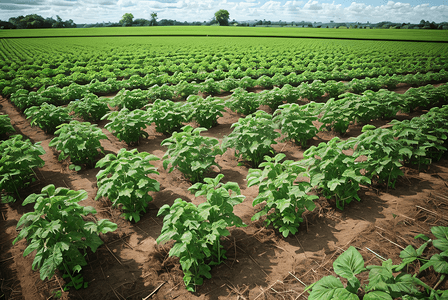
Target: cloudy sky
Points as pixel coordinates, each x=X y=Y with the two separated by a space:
x=92 y=11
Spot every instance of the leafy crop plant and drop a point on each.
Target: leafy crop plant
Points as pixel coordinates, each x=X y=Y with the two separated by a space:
x=18 y=157
x=252 y=137
x=5 y=125
x=47 y=116
x=191 y=153
x=334 y=172
x=127 y=125
x=206 y=111
x=90 y=107
x=80 y=142
x=197 y=230
x=383 y=283
x=58 y=233
x=286 y=200
x=125 y=182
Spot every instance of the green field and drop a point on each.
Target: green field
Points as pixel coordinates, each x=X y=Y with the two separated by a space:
x=367 y=34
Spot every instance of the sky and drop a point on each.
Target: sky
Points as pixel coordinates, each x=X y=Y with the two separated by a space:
x=93 y=11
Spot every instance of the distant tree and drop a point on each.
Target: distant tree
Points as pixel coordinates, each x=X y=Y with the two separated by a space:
x=6 y=25
x=141 y=22
x=222 y=16
x=153 y=21
x=59 y=23
x=126 y=20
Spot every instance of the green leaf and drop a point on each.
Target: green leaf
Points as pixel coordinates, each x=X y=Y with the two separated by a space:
x=377 y=295
x=441 y=233
x=349 y=263
x=325 y=288
x=104 y=226
x=438 y=262
x=49 y=190
x=33 y=246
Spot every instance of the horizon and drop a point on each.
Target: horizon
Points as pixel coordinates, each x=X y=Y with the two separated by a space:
x=104 y=11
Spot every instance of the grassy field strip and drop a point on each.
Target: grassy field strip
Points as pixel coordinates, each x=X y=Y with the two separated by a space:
x=362 y=34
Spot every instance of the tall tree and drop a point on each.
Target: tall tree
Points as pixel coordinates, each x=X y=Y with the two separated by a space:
x=222 y=16
x=153 y=19
x=126 y=20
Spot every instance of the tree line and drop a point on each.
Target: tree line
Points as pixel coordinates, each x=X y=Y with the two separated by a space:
x=221 y=17
x=36 y=21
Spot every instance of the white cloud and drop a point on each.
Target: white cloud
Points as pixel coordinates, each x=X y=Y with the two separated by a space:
x=313 y=5
x=92 y=11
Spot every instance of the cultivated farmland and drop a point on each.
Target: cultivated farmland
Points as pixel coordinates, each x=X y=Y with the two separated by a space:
x=205 y=167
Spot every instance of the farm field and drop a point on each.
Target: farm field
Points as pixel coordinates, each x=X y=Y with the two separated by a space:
x=362 y=34
x=307 y=101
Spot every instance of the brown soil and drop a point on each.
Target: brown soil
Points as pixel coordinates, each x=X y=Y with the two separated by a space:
x=261 y=263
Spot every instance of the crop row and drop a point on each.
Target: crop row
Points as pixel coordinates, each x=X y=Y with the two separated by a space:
x=251 y=138
x=31 y=64
x=295 y=121
x=293 y=88
x=199 y=54
x=106 y=84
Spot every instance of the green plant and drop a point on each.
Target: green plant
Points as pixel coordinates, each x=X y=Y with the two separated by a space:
x=272 y=98
x=312 y=91
x=197 y=230
x=384 y=153
x=210 y=86
x=184 y=89
x=127 y=125
x=206 y=111
x=58 y=233
x=338 y=114
x=252 y=137
x=382 y=282
x=163 y=92
x=334 y=88
x=334 y=172
x=18 y=157
x=296 y=122
x=191 y=153
x=387 y=103
x=265 y=82
x=47 y=116
x=286 y=200
x=289 y=93
x=79 y=141
x=425 y=136
x=75 y=91
x=168 y=115
x=5 y=125
x=247 y=82
x=54 y=94
x=90 y=108
x=125 y=182
x=131 y=99
x=244 y=102
x=229 y=84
